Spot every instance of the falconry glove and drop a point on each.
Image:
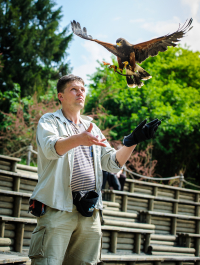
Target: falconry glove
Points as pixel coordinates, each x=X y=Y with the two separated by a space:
x=144 y=131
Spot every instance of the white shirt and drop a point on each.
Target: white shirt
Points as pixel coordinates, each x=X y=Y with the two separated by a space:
x=55 y=171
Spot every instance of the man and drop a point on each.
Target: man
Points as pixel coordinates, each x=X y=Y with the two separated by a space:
x=112 y=179
x=72 y=152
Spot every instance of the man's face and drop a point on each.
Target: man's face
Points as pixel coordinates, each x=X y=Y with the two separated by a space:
x=73 y=95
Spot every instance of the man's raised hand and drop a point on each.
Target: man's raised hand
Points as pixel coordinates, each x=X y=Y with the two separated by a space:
x=144 y=131
x=88 y=139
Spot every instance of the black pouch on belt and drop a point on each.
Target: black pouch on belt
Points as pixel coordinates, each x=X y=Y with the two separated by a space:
x=36 y=208
x=85 y=202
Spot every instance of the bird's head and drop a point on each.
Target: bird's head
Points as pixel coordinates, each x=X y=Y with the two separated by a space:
x=121 y=42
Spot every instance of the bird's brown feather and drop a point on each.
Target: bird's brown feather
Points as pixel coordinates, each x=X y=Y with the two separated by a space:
x=132 y=60
x=76 y=28
x=152 y=47
x=110 y=47
x=120 y=63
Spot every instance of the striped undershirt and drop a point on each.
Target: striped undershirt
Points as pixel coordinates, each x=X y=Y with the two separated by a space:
x=83 y=177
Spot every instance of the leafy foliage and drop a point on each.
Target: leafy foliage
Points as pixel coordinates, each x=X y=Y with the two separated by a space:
x=141 y=162
x=18 y=129
x=173 y=95
x=0 y=61
x=33 y=49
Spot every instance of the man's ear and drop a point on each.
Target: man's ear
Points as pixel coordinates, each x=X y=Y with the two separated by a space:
x=60 y=96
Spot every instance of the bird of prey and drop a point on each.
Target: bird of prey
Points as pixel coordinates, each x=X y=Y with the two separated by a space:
x=128 y=55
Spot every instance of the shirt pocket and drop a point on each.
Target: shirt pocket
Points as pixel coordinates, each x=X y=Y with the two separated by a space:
x=36 y=249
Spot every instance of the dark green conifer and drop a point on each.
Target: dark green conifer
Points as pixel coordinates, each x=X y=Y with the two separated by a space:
x=33 y=47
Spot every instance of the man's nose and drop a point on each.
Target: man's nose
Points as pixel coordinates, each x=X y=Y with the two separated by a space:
x=80 y=92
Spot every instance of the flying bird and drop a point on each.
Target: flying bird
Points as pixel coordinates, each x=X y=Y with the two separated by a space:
x=128 y=55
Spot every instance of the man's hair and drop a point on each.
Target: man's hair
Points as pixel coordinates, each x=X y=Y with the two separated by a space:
x=61 y=84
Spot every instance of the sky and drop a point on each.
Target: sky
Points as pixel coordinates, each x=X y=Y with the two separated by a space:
x=135 y=20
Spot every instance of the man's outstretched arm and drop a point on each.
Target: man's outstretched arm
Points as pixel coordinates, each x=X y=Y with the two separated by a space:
x=123 y=154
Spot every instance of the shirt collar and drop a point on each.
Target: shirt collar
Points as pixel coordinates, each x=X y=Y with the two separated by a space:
x=59 y=114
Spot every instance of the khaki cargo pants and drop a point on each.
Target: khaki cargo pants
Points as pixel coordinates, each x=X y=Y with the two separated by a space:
x=66 y=238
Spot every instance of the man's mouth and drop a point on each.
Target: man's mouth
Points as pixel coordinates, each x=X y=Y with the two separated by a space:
x=80 y=98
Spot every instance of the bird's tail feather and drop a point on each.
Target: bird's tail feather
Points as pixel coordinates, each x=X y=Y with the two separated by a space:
x=135 y=78
x=133 y=81
x=143 y=75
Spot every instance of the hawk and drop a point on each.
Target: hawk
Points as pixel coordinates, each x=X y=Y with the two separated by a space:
x=128 y=55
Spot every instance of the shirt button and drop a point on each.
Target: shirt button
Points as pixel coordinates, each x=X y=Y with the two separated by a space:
x=69 y=186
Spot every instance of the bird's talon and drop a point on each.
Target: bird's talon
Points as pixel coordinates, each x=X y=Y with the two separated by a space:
x=125 y=63
x=114 y=67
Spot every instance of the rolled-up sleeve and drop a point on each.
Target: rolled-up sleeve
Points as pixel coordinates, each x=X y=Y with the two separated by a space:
x=47 y=136
x=108 y=157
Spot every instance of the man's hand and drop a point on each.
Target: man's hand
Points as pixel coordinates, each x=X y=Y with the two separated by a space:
x=62 y=146
x=87 y=139
x=142 y=133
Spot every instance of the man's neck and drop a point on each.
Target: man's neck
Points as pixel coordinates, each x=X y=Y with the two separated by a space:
x=72 y=116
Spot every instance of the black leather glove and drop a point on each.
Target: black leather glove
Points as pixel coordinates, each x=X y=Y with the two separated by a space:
x=142 y=132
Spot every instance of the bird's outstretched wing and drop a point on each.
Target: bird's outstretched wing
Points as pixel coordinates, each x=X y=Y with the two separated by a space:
x=152 y=47
x=76 y=28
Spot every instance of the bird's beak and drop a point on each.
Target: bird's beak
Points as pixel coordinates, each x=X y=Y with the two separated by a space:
x=118 y=44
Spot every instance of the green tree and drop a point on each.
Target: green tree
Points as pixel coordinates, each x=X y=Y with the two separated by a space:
x=33 y=48
x=18 y=127
x=173 y=95
x=0 y=61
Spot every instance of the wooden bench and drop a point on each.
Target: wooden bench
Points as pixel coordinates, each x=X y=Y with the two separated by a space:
x=127 y=222
x=145 y=216
x=14 y=204
x=179 y=216
x=124 y=239
x=19 y=229
x=151 y=198
x=13 y=259
x=164 y=244
x=113 y=206
x=168 y=250
x=9 y=163
x=124 y=219
x=118 y=236
x=131 y=259
x=148 y=259
x=163 y=240
x=6 y=244
x=184 y=240
x=17 y=181
x=132 y=202
x=28 y=171
x=187 y=201
x=160 y=190
x=119 y=216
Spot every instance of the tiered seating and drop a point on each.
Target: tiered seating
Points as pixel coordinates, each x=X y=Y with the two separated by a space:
x=122 y=233
x=8 y=163
x=14 y=229
x=146 y=224
x=174 y=211
x=13 y=259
